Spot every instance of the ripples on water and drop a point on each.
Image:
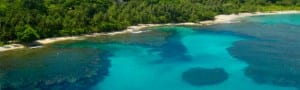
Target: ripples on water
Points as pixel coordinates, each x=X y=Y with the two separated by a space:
x=260 y=53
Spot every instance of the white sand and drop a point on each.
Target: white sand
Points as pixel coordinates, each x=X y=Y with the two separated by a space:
x=232 y=18
x=11 y=47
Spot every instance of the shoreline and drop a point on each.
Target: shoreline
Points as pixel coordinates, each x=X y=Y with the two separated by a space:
x=231 y=18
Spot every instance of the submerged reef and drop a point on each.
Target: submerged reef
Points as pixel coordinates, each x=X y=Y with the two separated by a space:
x=272 y=54
x=201 y=76
x=52 y=69
x=270 y=62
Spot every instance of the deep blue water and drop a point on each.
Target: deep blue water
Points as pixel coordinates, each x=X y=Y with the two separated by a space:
x=259 y=53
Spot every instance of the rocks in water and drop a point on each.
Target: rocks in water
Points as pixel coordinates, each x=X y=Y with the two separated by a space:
x=151 y=39
x=201 y=76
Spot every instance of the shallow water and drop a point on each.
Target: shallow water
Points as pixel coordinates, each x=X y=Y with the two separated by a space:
x=260 y=53
x=132 y=68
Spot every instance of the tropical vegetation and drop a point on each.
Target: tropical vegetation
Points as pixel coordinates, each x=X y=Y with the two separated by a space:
x=29 y=20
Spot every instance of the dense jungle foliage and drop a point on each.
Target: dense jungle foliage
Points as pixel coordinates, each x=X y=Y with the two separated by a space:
x=29 y=20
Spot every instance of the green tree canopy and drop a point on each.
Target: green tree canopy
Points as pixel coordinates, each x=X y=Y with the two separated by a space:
x=28 y=20
x=28 y=34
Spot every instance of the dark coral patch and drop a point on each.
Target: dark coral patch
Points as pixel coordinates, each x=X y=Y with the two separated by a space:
x=273 y=55
x=52 y=69
x=202 y=76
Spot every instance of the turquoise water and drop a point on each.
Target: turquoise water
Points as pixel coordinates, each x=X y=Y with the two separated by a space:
x=292 y=19
x=132 y=71
x=260 y=53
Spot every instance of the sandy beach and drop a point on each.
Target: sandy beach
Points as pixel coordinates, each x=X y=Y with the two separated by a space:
x=232 y=18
